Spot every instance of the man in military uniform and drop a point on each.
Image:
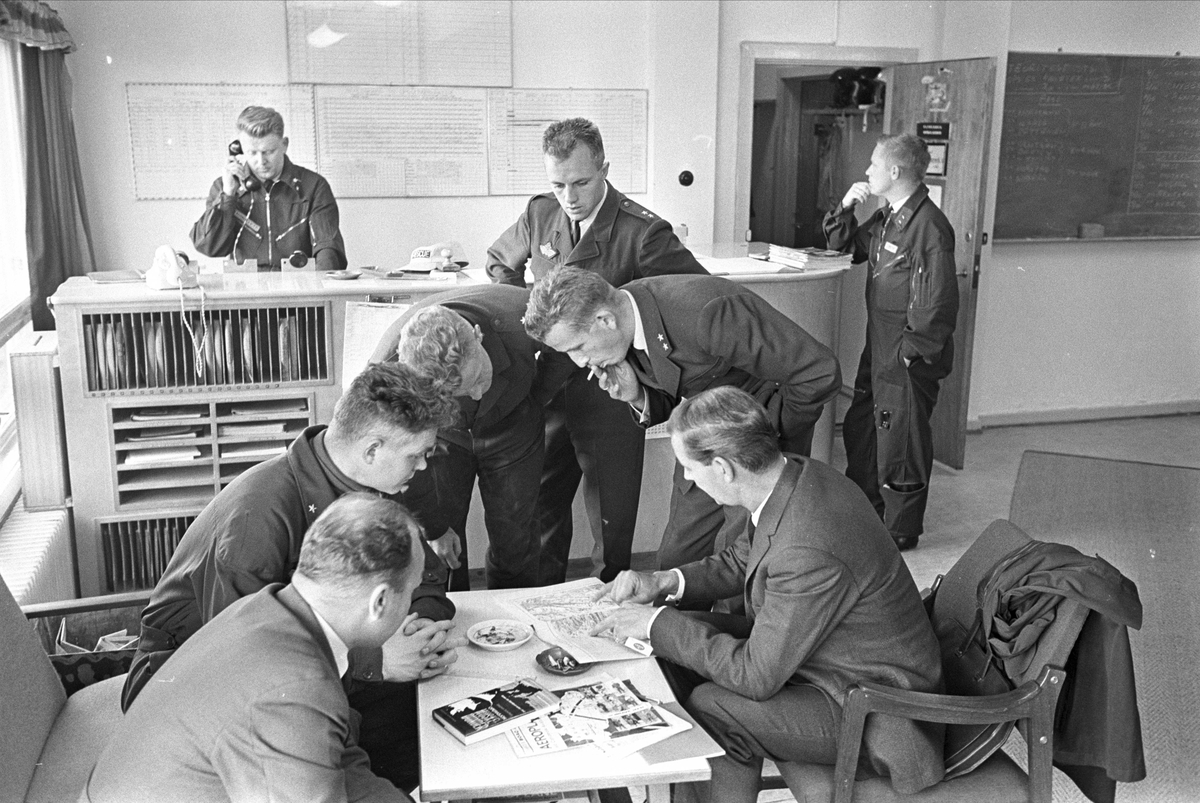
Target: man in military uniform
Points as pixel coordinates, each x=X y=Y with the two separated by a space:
x=912 y=309
x=586 y=223
x=266 y=207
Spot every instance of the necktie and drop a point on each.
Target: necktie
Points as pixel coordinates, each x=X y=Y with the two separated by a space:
x=574 y=233
x=641 y=365
x=882 y=236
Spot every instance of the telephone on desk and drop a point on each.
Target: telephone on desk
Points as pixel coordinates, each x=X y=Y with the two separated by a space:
x=171 y=270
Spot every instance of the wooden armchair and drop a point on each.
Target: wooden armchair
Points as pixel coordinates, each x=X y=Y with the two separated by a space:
x=50 y=742
x=977 y=726
x=996 y=780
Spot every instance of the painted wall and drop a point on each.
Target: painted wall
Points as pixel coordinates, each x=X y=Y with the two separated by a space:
x=627 y=45
x=1075 y=330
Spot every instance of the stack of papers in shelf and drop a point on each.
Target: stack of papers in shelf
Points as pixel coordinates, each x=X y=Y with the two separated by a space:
x=810 y=258
x=274 y=407
x=163 y=455
x=254 y=450
x=163 y=433
x=161 y=413
x=260 y=428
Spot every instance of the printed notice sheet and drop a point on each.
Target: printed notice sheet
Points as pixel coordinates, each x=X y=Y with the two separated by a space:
x=563 y=614
x=180 y=133
x=416 y=42
x=517 y=118
x=365 y=324
x=397 y=141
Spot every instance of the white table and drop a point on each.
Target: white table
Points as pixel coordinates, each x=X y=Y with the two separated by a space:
x=453 y=771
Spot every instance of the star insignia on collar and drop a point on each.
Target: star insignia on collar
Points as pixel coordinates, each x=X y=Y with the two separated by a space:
x=666 y=347
x=312 y=508
x=548 y=251
x=661 y=336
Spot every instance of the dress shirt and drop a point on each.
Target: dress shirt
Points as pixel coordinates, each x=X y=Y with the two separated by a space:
x=341 y=653
x=587 y=222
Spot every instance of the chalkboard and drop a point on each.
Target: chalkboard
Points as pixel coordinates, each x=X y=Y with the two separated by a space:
x=1099 y=146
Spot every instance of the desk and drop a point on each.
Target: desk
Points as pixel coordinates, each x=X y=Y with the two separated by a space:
x=453 y=771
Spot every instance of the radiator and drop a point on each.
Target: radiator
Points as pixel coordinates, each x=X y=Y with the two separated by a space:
x=35 y=555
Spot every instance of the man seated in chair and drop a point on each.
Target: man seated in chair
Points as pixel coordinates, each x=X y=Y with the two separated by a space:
x=252 y=707
x=829 y=602
x=249 y=536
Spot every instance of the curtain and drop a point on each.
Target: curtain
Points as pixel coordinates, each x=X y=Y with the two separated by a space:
x=33 y=24
x=56 y=226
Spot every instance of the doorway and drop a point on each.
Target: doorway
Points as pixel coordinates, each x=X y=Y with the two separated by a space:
x=800 y=68
x=810 y=144
x=959 y=111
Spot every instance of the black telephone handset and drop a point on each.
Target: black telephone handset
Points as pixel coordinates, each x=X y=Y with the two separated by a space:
x=251 y=181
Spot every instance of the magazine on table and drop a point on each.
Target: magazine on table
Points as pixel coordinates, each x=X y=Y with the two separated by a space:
x=564 y=614
x=607 y=714
x=490 y=712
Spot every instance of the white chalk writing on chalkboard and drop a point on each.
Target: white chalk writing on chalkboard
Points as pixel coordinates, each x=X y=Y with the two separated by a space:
x=1112 y=140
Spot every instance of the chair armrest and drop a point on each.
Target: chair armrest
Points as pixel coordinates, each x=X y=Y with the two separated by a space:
x=103 y=603
x=953 y=708
x=1035 y=700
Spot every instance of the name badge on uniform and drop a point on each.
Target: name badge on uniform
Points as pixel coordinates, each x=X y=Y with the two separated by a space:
x=246 y=221
x=891 y=248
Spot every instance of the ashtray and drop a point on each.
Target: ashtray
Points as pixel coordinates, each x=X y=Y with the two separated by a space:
x=499 y=634
x=343 y=275
x=558 y=661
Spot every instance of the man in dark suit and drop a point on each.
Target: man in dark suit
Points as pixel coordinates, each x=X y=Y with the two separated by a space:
x=252 y=707
x=470 y=343
x=249 y=536
x=586 y=223
x=829 y=602
x=655 y=341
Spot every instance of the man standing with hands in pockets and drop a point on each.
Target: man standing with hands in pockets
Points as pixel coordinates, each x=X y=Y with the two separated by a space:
x=912 y=309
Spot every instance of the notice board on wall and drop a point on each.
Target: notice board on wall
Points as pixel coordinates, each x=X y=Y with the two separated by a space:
x=1099 y=146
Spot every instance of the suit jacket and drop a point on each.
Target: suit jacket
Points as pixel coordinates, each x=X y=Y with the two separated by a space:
x=830 y=602
x=625 y=242
x=272 y=724
x=705 y=331
x=522 y=368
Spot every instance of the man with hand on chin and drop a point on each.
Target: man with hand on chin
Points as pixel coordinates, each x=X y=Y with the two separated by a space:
x=912 y=311
x=655 y=341
x=267 y=208
x=828 y=602
x=249 y=536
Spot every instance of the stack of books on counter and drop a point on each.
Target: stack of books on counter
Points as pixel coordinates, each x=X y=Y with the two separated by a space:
x=807 y=258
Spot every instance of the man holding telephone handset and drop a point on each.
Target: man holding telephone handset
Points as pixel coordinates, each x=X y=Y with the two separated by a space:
x=264 y=207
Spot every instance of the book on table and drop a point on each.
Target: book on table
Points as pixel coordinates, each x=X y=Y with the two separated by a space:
x=494 y=711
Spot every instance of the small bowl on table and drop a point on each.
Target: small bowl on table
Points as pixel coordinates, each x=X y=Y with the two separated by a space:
x=499 y=634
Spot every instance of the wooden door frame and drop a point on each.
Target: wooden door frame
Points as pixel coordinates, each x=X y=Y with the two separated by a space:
x=754 y=53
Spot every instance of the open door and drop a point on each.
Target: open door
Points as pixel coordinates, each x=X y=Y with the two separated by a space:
x=958 y=93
